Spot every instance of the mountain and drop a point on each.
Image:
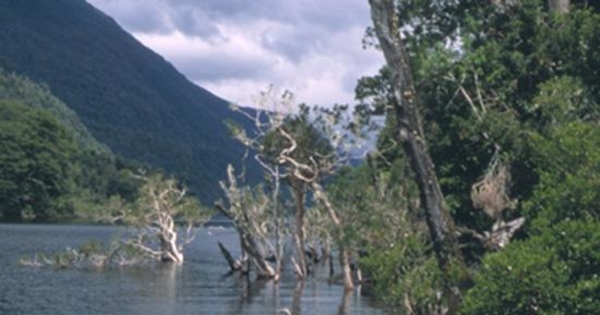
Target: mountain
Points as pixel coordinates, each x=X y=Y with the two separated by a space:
x=127 y=96
x=24 y=91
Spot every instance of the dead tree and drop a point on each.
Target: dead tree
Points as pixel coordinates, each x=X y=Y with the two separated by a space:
x=305 y=155
x=248 y=209
x=339 y=230
x=161 y=202
x=267 y=129
x=310 y=174
x=409 y=133
x=152 y=234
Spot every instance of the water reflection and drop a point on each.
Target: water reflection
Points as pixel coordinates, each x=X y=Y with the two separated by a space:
x=297 y=299
x=197 y=287
x=249 y=291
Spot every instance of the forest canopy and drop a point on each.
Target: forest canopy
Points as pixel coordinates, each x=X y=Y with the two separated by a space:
x=51 y=167
x=508 y=93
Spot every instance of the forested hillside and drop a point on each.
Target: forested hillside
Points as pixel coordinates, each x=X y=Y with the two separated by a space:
x=51 y=168
x=24 y=91
x=128 y=97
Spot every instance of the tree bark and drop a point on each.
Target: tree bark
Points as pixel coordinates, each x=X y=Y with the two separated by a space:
x=170 y=250
x=346 y=269
x=250 y=246
x=246 y=226
x=168 y=239
x=234 y=264
x=337 y=222
x=298 y=190
x=410 y=134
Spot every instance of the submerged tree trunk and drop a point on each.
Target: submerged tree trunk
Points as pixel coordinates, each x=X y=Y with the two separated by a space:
x=410 y=134
x=298 y=188
x=337 y=222
x=245 y=223
x=249 y=246
x=168 y=240
x=233 y=263
x=258 y=257
x=170 y=252
x=346 y=269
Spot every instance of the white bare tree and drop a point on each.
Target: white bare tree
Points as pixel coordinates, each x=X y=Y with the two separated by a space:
x=154 y=215
x=151 y=233
x=305 y=155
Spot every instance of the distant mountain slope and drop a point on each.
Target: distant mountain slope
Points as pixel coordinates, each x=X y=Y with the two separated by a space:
x=24 y=91
x=128 y=96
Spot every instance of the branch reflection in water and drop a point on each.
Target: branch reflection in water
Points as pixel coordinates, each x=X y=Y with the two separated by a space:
x=196 y=287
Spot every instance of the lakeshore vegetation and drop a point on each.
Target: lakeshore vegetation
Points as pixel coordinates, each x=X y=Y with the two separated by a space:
x=481 y=196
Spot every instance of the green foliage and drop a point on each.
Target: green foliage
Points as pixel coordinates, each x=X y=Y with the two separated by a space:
x=561 y=100
x=310 y=142
x=407 y=283
x=385 y=224
x=516 y=79
x=52 y=168
x=503 y=72
x=377 y=206
x=555 y=272
x=568 y=164
x=24 y=91
x=35 y=162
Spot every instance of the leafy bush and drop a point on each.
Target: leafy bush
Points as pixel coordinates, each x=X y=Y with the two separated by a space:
x=567 y=163
x=557 y=272
x=34 y=161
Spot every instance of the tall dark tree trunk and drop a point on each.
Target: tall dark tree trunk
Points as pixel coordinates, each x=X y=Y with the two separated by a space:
x=559 y=6
x=410 y=134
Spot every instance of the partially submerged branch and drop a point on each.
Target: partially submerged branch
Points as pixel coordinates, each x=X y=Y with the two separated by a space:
x=155 y=235
x=248 y=209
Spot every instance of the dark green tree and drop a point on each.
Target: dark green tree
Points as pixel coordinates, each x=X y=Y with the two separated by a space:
x=35 y=163
x=496 y=83
x=555 y=272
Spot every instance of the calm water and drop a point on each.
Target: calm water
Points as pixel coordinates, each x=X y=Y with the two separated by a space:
x=199 y=286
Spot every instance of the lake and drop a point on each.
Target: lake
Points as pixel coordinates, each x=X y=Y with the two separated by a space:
x=199 y=286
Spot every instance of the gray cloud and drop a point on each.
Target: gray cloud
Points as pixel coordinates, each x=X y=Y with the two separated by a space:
x=200 y=18
x=194 y=22
x=214 y=67
x=134 y=15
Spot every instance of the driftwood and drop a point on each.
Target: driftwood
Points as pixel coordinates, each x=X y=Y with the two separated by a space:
x=499 y=236
x=234 y=264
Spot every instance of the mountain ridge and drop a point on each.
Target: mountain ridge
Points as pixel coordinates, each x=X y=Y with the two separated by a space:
x=128 y=96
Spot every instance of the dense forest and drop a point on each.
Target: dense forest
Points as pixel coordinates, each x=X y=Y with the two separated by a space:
x=508 y=95
x=481 y=197
x=51 y=167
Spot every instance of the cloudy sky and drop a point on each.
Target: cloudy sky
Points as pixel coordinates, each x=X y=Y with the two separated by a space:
x=236 y=48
